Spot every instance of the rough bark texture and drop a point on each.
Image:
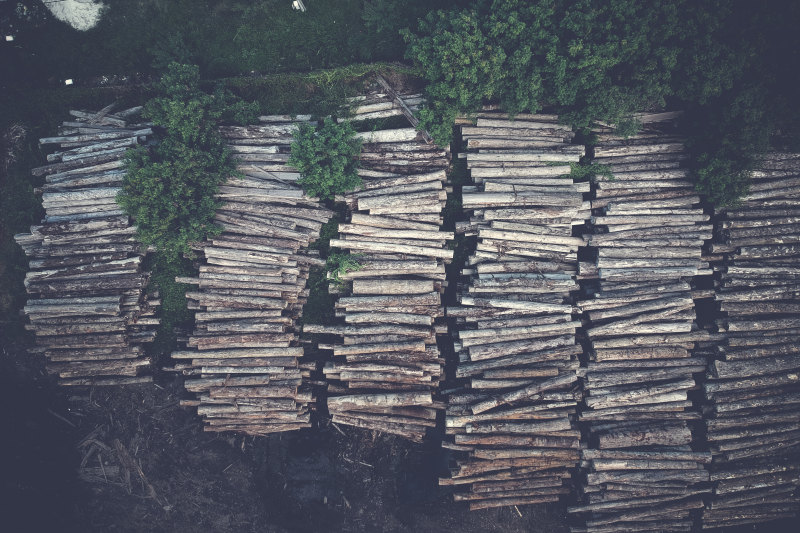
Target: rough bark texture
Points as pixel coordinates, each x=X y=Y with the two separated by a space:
x=513 y=423
x=244 y=359
x=649 y=233
x=753 y=389
x=386 y=365
x=87 y=304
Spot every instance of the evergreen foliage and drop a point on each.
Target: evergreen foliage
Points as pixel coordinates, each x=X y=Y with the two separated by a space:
x=327 y=158
x=729 y=64
x=340 y=263
x=756 y=108
x=590 y=59
x=728 y=133
x=169 y=188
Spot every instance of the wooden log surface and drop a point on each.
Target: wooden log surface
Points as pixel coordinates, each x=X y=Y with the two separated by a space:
x=85 y=285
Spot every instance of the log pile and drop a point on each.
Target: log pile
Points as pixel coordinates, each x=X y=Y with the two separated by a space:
x=387 y=364
x=86 y=290
x=643 y=474
x=243 y=358
x=752 y=390
x=511 y=417
x=379 y=104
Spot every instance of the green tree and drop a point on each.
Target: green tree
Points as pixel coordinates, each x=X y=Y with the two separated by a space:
x=460 y=64
x=727 y=134
x=170 y=188
x=588 y=59
x=327 y=158
x=746 y=101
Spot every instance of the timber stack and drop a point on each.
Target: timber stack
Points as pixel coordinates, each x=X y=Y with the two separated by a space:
x=512 y=415
x=752 y=390
x=244 y=358
x=378 y=104
x=387 y=365
x=86 y=290
x=642 y=472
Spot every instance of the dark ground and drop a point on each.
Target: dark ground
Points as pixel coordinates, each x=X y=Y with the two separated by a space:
x=131 y=459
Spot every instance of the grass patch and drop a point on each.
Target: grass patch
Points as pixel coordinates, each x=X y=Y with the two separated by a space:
x=319 y=93
x=583 y=172
x=223 y=37
x=319 y=308
x=376 y=124
x=173 y=311
x=339 y=264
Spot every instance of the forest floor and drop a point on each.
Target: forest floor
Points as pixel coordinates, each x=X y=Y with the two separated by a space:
x=131 y=459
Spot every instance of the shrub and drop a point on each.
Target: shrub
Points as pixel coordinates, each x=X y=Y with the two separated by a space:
x=327 y=158
x=587 y=59
x=753 y=111
x=170 y=188
x=581 y=171
x=461 y=65
x=339 y=263
x=727 y=134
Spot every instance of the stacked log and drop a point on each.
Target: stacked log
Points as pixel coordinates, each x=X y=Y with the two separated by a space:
x=643 y=473
x=511 y=417
x=86 y=291
x=387 y=364
x=244 y=357
x=380 y=104
x=752 y=390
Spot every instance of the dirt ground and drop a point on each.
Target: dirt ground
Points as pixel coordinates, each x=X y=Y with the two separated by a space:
x=131 y=459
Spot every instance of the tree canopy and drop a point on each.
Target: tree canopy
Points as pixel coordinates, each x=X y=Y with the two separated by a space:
x=169 y=187
x=728 y=63
x=327 y=158
x=590 y=59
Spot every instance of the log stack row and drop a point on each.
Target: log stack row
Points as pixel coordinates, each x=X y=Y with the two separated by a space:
x=86 y=290
x=243 y=359
x=753 y=390
x=378 y=104
x=511 y=417
x=386 y=364
x=642 y=471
